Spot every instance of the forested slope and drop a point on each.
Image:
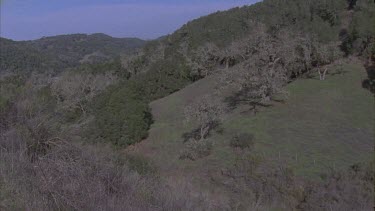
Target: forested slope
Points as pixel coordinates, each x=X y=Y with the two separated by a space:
x=56 y=53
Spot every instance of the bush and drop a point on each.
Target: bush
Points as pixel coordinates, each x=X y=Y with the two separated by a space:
x=140 y=164
x=196 y=149
x=122 y=116
x=243 y=141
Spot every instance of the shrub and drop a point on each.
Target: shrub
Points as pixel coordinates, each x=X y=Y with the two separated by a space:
x=122 y=116
x=71 y=176
x=140 y=164
x=196 y=149
x=243 y=141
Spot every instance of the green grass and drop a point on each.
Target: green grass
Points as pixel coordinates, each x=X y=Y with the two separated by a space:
x=324 y=124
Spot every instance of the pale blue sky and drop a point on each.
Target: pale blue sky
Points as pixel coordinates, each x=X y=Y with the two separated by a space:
x=146 y=19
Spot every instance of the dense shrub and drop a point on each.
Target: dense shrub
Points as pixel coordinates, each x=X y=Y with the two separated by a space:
x=122 y=116
x=196 y=149
x=243 y=141
x=70 y=176
x=266 y=185
x=351 y=189
x=360 y=38
x=140 y=164
x=115 y=67
x=163 y=78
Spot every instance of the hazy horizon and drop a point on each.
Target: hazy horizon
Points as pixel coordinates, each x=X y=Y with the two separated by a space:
x=145 y=19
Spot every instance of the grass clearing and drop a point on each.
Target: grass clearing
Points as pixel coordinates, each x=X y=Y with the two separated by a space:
x=324 y=124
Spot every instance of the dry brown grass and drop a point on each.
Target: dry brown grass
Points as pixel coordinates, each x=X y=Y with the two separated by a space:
x=68 y=176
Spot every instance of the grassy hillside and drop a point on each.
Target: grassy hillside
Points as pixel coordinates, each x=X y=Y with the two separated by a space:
x=324 y=124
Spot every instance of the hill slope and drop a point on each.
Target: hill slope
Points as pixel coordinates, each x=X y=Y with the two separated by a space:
x=59 y=52
x=324 y=124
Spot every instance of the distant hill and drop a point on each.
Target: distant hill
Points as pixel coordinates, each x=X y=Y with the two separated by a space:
x=59 y=52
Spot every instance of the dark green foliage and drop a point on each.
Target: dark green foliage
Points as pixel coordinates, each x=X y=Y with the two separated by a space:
x=10 y=87
x=16 y=56
x=122 y=113
x=243 y=141
x=360 y=38
x=321 y=17
x=221 y=28
x=122 y=116
x=51 y=54
x=82 y=44
x=164 y=78
x=113 y=66
x=369 y=83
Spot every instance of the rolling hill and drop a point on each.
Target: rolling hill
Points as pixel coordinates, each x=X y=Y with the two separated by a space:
x=59 y=52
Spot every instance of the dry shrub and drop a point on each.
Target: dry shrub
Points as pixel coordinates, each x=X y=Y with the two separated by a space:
x=261 y=185
x=71 y=176
x=196 y=149
x=243 y=141
x=267 y=186
x=352 y=189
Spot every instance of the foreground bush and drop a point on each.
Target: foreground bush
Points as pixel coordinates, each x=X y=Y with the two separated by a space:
x=243 y=141
x=196 y=149
x=80 y=177
x=122 y=116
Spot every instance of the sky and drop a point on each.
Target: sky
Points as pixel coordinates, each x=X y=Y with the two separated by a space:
x=146 y=19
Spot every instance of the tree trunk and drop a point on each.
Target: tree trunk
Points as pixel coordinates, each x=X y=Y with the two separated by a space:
x=204 y=130
x=202 y=133
x=322 y=75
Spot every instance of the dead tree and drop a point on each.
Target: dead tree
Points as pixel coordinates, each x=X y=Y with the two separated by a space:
x=322 y=73
x=73 y=90
x=205 y=112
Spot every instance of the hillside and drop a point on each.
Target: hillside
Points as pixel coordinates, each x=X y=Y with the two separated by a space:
x=262 y=107
x=59 y=52
x=325 y=125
